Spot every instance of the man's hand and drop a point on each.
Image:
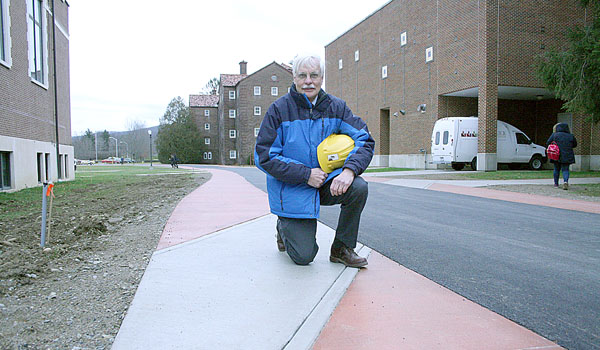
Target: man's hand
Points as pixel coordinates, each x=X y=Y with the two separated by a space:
x=317 y=177
x=342 y=182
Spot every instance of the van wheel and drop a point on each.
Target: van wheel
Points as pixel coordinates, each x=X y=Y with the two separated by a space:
x=474 y=164
x=536 y=162
x=458 y=166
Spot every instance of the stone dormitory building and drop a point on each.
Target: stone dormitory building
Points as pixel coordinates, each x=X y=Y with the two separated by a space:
x=34 y=94
x=455 y=58
x=229 y=122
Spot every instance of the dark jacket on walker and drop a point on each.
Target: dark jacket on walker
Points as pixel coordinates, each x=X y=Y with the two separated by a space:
x=565 y=141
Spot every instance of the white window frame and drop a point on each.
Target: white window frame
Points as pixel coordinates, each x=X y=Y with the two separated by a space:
x=232 y=134
x=6 y=42
x=429 y=54
x=209 y=155
x=384 y=72
x=232 y=95
x=257 y=110
x=232 y=154
x=206 y=126
x=356 y=56
x=274 y=91
x=232 y=113
x=256 y=130
x=340 y=64
x=207 y=112
x=403 y=39
x=37 y=46
x=257 y=91
x=207 y=140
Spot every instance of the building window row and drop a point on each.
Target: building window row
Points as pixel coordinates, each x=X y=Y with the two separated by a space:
x=5 y=170
x=274 y=91
x=36 y=41
x=5 y=33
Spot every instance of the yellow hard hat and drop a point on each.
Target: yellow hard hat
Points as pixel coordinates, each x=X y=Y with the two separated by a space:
x=333 y=151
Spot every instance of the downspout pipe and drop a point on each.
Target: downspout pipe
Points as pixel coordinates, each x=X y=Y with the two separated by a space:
x=55 y=91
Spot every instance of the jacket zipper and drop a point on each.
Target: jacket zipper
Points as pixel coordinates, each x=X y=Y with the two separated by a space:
x=281 y=196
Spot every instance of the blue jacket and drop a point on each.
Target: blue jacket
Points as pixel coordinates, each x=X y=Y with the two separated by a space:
x=286 y=148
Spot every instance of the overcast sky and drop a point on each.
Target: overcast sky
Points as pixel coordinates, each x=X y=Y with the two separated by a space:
x=129 y=58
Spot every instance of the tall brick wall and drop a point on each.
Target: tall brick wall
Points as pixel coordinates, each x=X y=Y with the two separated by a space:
x=475 y=44
x=26 y=108
x=198 y=113
x=272 y=75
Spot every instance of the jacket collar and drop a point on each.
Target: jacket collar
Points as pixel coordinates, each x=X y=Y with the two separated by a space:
x=303 y=101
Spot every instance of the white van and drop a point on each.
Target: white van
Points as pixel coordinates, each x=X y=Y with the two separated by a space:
x=454 y=141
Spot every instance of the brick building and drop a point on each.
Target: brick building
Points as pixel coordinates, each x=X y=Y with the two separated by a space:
x=229 y=122
x=28 y=111
x=455 y=58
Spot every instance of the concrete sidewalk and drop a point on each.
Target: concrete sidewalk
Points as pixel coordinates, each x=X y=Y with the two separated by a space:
x=217 y=281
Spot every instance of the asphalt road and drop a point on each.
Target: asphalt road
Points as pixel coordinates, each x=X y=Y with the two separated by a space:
x=535 y=265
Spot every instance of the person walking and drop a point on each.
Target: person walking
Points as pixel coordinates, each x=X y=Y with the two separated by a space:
x=286 y=150
x=566 y=142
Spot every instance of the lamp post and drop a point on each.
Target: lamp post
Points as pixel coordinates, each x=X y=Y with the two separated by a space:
x=150 y=133
x=117 y=144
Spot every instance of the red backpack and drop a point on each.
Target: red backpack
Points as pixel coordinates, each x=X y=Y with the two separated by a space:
x=553 y=151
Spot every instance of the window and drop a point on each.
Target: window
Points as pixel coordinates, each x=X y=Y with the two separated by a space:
x=437 y=137
x=66 y=166
x=356 y=56
x=36 y=40
x=207 y=155
x=429 y=54
x=274 y=91
x=257 y=91
x=232 y=113
x=232 y=95
x=232 y=154
x=232 y=134
x=5 y=33
x=522 y=139
x=256 y=110
x=445 y=141
x=207 y=140
x=60 y=166
x=47 y=166
x=403 y=39
x=383 y=72
x=340 y=64
x=207 y=126
x=40 y=166
x=256 y=131
x=5 y=170
x=207 y=113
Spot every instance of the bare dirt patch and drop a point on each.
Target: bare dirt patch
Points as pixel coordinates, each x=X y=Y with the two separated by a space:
x=75 y=295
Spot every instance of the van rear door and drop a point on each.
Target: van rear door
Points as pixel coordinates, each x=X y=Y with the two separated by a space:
x=441 y=147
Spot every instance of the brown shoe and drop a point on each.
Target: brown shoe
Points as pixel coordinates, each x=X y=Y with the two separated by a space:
x=565 y=186
x=347 y=256
x=280 y=244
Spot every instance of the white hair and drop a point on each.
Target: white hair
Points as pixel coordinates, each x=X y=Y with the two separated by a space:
x=312 y=60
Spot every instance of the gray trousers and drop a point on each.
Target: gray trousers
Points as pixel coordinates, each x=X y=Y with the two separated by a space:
x=299 y=235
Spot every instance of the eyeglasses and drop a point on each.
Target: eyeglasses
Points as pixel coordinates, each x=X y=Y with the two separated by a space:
x=303 y=76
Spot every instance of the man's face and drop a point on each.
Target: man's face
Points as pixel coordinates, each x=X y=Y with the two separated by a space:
x=308 y=80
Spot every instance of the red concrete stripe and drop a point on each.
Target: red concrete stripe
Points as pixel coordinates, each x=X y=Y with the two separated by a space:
x=225 y=200
x=390 y=307
x=570 y=204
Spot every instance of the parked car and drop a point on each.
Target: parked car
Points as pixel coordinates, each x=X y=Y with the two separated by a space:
x=86 y=162
x=111 y=160
x=128 y=160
